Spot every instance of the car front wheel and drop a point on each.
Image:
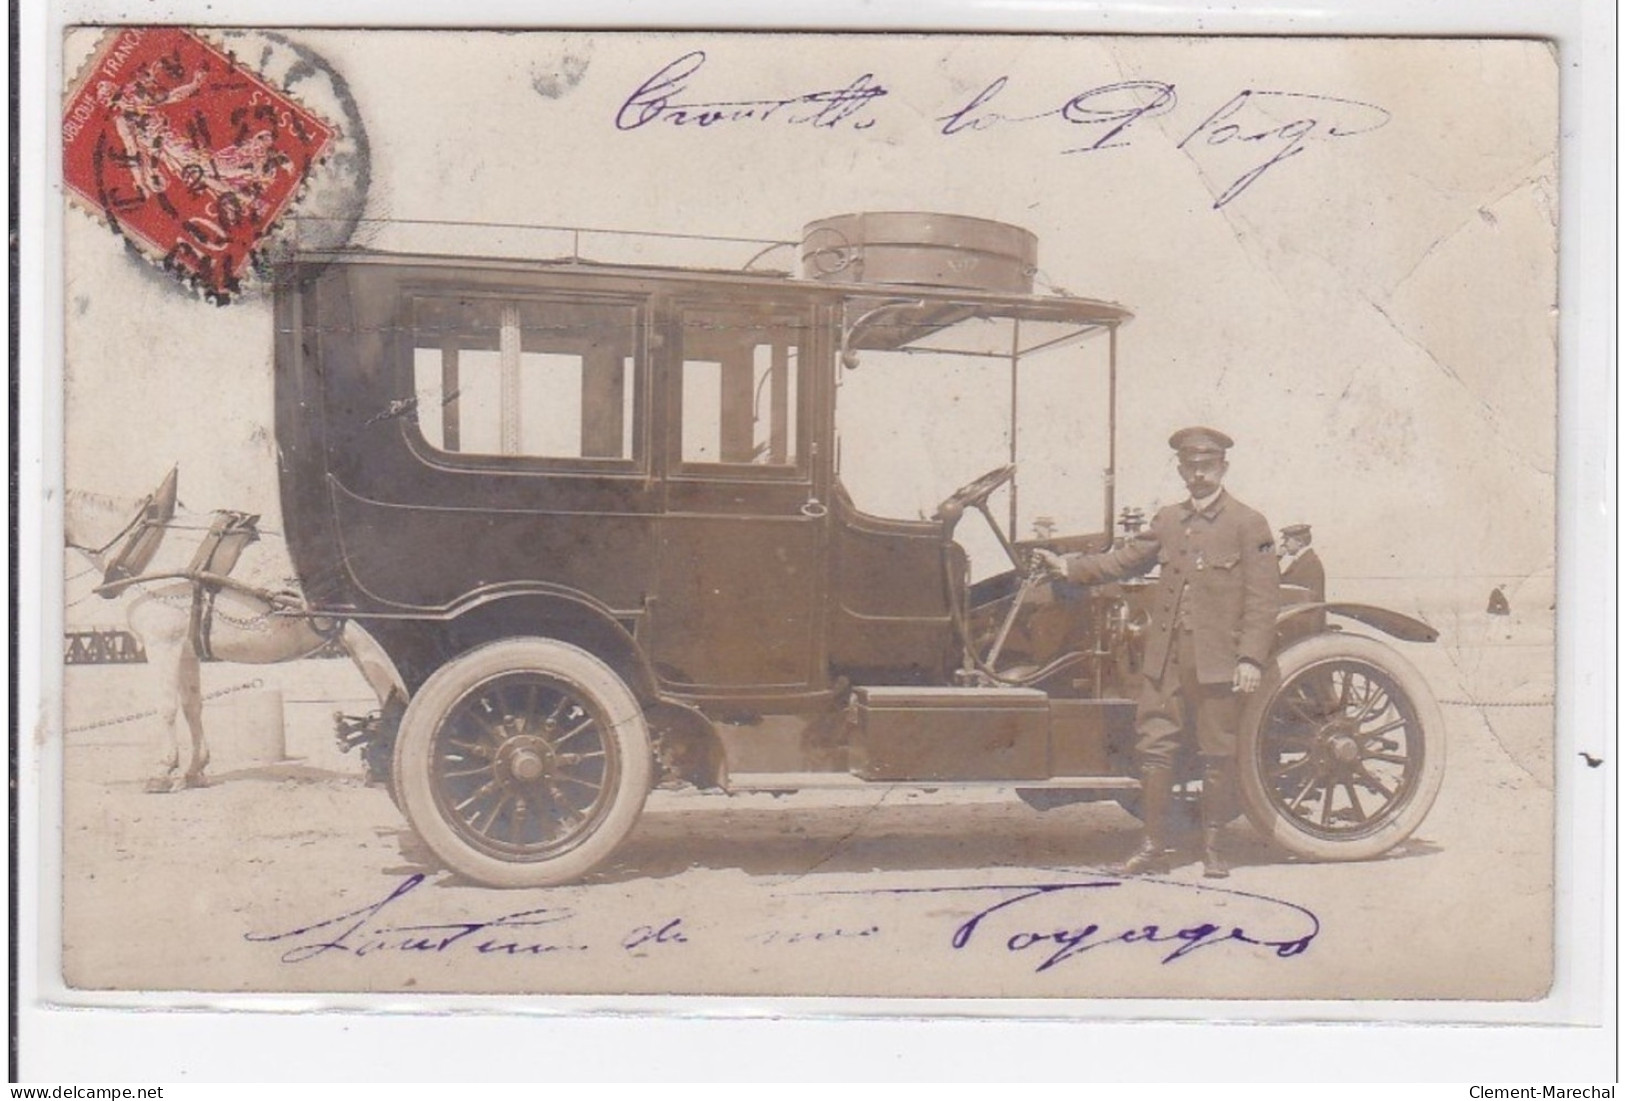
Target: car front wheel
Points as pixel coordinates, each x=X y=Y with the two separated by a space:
x=1342 y=749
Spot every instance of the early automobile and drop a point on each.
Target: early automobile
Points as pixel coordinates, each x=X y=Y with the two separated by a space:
x=597 y=524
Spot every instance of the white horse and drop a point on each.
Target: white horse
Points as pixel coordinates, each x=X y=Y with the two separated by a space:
x=193 y=593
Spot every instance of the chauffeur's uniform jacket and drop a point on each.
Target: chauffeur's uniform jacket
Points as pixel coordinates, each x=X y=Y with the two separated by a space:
x=1220 y=580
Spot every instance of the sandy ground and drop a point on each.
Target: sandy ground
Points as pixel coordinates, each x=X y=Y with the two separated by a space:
x=294 y=875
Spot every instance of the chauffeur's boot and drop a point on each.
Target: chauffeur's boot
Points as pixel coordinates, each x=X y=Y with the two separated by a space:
x=1215 y=812
x=1156 y=796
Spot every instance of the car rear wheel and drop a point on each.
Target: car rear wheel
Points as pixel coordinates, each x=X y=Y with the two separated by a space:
x=1342 y=749
x=523 y=763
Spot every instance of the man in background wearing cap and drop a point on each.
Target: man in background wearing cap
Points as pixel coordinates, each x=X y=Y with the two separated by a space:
x=1212 y=630
x=1300 y=566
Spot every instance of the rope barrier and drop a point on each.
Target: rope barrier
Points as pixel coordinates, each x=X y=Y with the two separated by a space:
x=134 y=715
x=1497 y=703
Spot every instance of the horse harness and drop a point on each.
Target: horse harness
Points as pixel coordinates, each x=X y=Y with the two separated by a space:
x=228 y=535
x=145 y=532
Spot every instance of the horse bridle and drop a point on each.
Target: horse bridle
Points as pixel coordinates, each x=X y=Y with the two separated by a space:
x=140 y=518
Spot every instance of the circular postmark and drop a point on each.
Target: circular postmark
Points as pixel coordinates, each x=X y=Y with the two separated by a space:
x=213 y=159
x=328 y=214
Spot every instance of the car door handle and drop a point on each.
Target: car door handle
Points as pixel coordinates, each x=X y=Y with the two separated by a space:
x=813 y=508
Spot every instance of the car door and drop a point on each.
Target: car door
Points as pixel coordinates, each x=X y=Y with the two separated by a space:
x=742 y=545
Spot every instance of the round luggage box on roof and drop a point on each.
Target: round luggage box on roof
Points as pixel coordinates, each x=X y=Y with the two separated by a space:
x=932 y=250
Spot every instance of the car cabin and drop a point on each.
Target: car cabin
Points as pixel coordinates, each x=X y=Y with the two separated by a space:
x=645 y=457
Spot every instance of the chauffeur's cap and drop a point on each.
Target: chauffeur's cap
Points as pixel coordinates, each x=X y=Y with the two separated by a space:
x=1295 y=531
x=1198 y=442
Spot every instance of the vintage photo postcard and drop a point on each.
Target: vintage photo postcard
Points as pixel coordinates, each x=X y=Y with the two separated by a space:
x=894 y=516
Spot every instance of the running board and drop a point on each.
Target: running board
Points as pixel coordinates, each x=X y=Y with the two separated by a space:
x=741 y=783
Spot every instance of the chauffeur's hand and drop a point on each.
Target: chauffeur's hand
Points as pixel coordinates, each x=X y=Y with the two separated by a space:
x=1247 y=678
x=1047 y=563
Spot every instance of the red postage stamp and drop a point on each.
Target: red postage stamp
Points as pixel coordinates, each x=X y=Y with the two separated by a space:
x=185 y=152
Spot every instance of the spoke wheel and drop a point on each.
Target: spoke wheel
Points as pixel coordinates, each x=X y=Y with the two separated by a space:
x=523 y=763
x=1342 y=749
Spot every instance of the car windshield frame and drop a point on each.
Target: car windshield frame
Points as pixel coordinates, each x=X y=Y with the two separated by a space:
x=905 y=320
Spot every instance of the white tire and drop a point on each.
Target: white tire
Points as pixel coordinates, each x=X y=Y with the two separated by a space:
x=523 y=763
x=1342 y=749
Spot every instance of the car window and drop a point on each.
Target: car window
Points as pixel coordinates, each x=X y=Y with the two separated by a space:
x=740 y=389
x=530 y=377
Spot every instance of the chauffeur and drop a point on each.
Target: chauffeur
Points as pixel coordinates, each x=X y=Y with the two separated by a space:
x=1212 y=628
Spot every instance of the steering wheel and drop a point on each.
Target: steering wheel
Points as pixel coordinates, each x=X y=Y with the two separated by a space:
x=973 y=494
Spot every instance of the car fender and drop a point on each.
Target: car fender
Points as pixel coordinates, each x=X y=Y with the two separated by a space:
x=1397 y=624
x=420 y=643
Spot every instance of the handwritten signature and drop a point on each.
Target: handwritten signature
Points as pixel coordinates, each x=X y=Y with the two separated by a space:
x=359 y=932
x=1188 y=936
x=1038 y=935
x=655 y=100
x=1043 y=922
x=1250 y=118
x=1252 y=133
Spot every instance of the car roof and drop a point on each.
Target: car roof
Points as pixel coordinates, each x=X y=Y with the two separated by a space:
x=934 y=306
